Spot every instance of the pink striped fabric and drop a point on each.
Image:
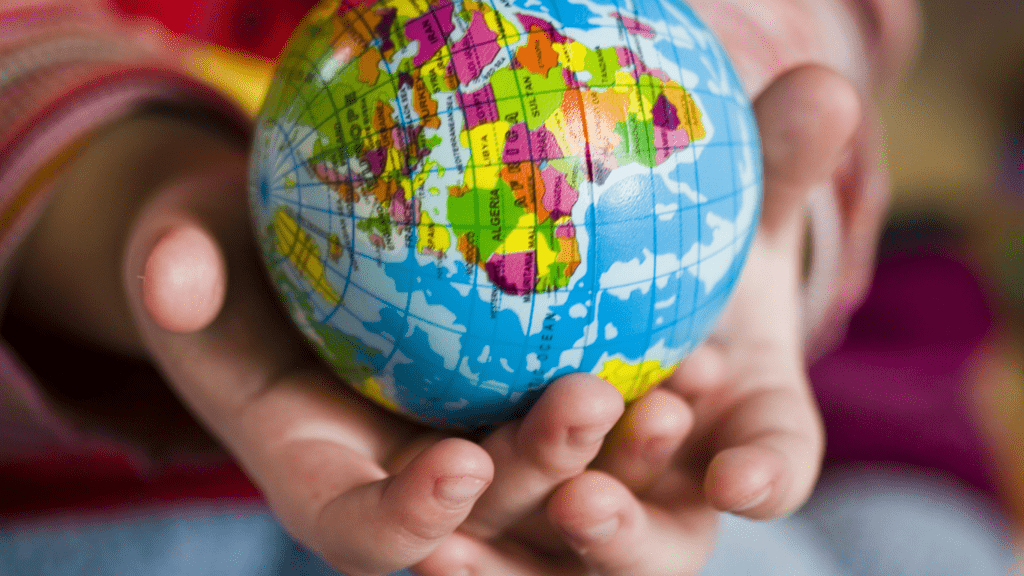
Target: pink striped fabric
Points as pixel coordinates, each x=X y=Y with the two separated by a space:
x=66 y=69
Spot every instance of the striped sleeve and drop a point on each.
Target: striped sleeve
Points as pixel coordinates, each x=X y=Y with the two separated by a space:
x=66 y=69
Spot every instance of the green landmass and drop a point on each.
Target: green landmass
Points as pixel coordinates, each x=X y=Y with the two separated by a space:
x=636 y=145
x=471 y=213
x=528 y=97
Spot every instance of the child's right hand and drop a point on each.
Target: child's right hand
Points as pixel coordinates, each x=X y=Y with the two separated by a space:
x=151 y=220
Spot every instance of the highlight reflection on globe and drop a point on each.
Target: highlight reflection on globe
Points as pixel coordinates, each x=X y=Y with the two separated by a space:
x=461 y=201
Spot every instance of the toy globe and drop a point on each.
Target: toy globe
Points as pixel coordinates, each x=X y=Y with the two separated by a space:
x=461 y=201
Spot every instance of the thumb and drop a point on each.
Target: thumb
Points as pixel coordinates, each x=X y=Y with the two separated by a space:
x=183 y=267
x=185 y=279
x=807 y=118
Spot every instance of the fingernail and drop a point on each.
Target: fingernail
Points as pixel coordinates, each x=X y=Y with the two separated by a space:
x=755 y=501
x=459 y=490
x=183 y=280
x=593 y=534
x=587 y=435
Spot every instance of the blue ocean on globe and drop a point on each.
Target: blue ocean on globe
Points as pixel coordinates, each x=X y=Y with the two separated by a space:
x=460 y=202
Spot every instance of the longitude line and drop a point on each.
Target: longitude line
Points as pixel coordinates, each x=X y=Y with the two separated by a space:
x=529 y=147
x=650 y=141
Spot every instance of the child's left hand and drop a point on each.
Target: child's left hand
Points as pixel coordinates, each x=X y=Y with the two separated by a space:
x=735 y=429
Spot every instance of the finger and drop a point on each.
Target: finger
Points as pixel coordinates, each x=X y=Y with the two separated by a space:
x=758 y=439
x=184 y=279
x=556 y=440
x=312 y=447
x=462 y=555
x=617 y=535
x=331 y=494
x=402 y=519
x=768 y=456
x=701 y=373
x=864 y=194
x=768 y=440
x=646 y=439
x=807 y=118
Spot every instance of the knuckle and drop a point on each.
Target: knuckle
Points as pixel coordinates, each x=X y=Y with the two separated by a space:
x=414 y=531
x=559 y=462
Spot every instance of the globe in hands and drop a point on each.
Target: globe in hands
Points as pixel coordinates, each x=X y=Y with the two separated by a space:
x=460 y=201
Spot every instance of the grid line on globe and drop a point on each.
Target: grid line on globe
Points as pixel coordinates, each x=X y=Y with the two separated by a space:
x=449 y=253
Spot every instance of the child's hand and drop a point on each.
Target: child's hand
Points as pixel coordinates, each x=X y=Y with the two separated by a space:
x=734 y=429
x=151 y=220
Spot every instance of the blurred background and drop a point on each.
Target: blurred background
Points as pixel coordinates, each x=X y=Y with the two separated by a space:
x=956 y=149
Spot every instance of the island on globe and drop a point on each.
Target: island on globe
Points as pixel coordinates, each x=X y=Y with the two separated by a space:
x=461 y=201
